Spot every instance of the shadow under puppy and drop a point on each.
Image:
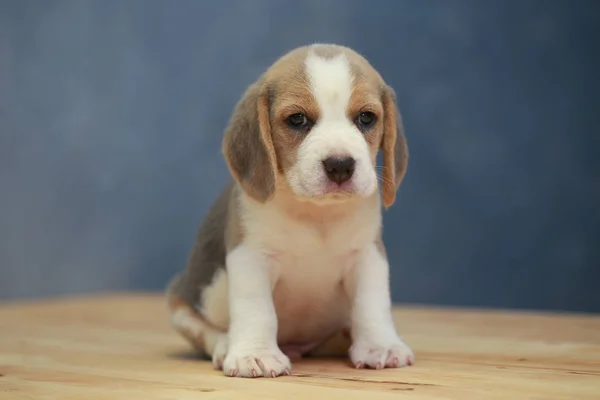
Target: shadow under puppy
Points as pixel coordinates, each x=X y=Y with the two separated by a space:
x=289 y=260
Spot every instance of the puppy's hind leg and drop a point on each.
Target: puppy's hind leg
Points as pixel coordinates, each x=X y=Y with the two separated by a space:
x=204 y=337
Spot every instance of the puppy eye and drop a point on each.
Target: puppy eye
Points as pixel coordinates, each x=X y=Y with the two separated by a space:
x=365 y=120
x=298 y=120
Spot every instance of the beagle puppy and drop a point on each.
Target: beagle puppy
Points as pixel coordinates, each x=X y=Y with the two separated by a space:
x=289 y=261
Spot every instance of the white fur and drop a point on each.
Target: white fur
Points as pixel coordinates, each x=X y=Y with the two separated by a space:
x=215 y=306
x=308 y=263
x=375 y=341
x=253 y=349
x=285 y=281
x=334 y=134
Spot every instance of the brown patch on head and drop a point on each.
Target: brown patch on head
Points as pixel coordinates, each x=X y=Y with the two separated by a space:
x=365 y=98
x=291 y=96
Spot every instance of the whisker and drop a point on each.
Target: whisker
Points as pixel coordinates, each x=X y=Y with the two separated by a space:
x=384 y=179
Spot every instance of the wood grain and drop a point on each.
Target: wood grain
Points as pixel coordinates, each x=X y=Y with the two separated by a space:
x=122 y=347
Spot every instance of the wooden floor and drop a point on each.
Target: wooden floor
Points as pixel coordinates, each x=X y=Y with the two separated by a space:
x=121 y=347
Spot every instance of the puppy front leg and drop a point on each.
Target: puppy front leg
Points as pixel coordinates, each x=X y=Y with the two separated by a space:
x=252 y=349
x=375 y=342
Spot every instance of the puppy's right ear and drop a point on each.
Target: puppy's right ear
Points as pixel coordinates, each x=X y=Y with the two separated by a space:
x=395 y=149
x=248 y=144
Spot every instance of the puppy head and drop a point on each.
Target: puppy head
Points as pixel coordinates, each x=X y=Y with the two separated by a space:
x=314 y=122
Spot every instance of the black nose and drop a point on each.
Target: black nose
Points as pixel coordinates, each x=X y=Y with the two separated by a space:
x=339 y=169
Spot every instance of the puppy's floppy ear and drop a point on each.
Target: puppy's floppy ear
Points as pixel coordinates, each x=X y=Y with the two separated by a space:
x=248 y=144
x=395 y=149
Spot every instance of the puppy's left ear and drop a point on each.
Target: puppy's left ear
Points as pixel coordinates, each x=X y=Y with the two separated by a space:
x=395 y=149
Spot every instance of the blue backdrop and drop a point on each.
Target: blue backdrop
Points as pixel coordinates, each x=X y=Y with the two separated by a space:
x=112 y=111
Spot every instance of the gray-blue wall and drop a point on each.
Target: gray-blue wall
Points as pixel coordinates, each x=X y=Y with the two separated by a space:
x=111 y=116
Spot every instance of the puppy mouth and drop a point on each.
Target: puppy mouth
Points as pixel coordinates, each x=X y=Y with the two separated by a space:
x=327 y=190
x=336 y=192
x=335 y=189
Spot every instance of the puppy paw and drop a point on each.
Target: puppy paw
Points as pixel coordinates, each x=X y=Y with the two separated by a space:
x=220 y=352
x=268 y=363
x=364 y=354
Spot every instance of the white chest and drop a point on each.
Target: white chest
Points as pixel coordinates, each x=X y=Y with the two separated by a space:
x=310 y=259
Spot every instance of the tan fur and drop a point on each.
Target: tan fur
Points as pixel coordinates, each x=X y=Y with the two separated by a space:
x=366 y=98
x=395 y=149
x=248 y=145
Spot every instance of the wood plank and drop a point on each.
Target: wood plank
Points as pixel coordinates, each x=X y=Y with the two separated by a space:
x=122 y=347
